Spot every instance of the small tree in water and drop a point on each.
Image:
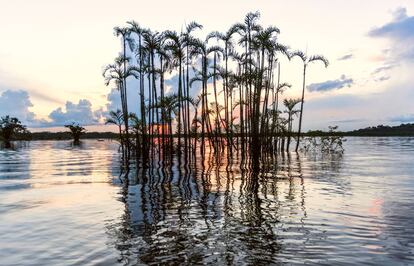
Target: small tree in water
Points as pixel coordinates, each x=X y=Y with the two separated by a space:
x=76 y=131
x=9 y=127
x=331 y=143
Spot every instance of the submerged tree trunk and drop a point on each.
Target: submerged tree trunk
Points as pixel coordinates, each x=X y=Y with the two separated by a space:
x=301 y=107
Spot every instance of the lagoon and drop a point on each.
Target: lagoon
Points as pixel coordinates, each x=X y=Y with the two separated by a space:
x=62 y=204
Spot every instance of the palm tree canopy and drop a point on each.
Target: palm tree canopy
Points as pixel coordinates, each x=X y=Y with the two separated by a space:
x=299 y=54
x=122 y=31
x=319 y=58
x=282 y=87
x=193 y=26
x=306 y=60
x=291 y=103
x=115 y=118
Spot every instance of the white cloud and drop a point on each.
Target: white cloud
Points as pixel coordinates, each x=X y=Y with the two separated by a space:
x=16 y=103
x=79 y=113
x=328 y=85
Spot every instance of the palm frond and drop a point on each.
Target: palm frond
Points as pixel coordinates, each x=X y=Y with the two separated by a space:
x=321 y=58
x=299 y=54
x=192 y=26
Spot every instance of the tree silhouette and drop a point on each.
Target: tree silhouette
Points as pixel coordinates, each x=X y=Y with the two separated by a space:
x=116 y=118
x=76 y=131
x=9 y=127
x=306 y=61
x=290 y=105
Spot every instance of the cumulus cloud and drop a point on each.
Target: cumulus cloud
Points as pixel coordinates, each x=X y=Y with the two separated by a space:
x=345 y=57
x=329 y=85
x=16 y=103
x=78 y=113
x=114 y=99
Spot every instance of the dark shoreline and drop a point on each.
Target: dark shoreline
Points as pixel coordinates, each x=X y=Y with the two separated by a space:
x=403 y=130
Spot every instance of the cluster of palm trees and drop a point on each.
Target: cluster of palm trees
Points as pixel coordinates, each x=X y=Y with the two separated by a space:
x=227 y=89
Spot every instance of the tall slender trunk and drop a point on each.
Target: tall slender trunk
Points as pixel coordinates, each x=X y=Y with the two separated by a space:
x=241 y=103
x=163 y=115
x=301 y=107
x=215 y=95
x=203 y=104
x=142 y=97
x=289 y=132
x=188 y=95
x=125 y=101
x=276 y=106
x=228 y=92
x=154 y=87
x=179 y=104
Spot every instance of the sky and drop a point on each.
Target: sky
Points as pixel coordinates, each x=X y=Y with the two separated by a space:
x=52 y=53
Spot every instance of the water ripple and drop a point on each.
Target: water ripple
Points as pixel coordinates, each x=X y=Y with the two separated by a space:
x=75 y=205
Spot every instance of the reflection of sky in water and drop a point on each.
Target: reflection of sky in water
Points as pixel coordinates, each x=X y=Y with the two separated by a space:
x=60 y=202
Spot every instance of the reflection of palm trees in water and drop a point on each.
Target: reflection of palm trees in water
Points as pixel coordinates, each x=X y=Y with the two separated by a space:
x=330 y=166
x=218 y=208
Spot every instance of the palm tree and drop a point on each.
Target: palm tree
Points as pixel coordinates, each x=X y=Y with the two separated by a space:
x=239 y=80
x=137 y=129
x=116 y=118
x=216 y=73
x=124 y=33
x=118 y=73
x=226 y=38
x=265 y=42
x=139 y=31
x=290 y=105
x=175 y=45
x=275 y=118
x=187 y=39
x=151 y=46
x=171 y=105
x=306 y=60
x=164 y=66
x=9 y=127
x=199 y=48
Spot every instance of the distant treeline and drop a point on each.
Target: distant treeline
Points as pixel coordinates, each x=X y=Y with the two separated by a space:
x=65 y=136
x=381 y=130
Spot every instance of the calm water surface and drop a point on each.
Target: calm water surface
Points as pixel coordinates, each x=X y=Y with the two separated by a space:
x=67 y=205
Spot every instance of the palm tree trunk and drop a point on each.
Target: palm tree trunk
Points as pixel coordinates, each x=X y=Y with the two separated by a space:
x=289 y=132
x=188 y=95
x=125 y=101
x=154 y=87
x=179 y=105
x=301 y=107
x=162 y=100
x=142 y=97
